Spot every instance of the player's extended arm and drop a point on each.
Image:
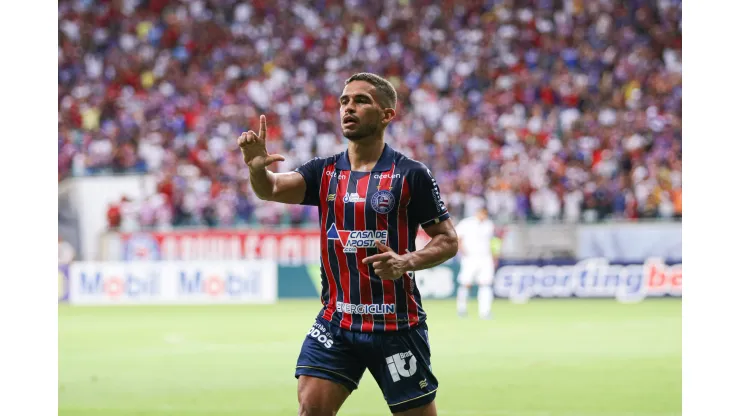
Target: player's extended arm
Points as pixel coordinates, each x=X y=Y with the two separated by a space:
x=390 y=265
x=289 y=187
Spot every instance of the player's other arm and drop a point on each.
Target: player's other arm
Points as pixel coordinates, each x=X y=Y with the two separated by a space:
x=427 y=209
x=390 y=265
x=442 y=247
x=289 y=187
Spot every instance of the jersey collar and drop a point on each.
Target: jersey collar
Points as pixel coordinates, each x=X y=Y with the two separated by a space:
x=385 y=163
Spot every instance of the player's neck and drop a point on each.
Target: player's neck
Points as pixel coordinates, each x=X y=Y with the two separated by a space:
x=364 y=154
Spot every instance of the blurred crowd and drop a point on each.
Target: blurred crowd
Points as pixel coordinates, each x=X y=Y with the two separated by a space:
x=541 y=110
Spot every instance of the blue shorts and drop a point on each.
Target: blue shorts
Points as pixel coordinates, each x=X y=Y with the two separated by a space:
x=399 y=361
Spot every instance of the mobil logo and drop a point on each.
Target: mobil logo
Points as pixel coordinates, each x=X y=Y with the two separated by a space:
x=219 y=282
x=127 y=284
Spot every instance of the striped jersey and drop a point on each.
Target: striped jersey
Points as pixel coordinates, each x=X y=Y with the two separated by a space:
x=356 y=208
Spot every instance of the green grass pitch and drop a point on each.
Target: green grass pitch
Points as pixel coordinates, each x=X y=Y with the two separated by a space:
x=544 y=358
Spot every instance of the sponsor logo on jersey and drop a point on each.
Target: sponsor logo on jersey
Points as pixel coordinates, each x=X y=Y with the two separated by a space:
x=334 y=175
x=319 y=333
x=437 y=197
x=366 y=309
x=387 y=176
x=353 y=197
x=397 y=365
x=331 y=197
x=383 y=202
x=352 y=240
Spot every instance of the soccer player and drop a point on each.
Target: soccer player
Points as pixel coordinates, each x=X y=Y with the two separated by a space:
x=371 y=200
x=476 y=234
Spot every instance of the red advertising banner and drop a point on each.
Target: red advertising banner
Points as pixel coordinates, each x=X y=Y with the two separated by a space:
x=288 y=246
x=293 y=246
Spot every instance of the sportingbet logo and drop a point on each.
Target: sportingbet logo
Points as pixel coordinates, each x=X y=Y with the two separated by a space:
x=352 y=240
x=398 y=367
x=590 y=278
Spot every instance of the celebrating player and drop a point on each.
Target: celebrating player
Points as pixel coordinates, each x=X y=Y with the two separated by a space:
x=371 y=200
x=476 y=234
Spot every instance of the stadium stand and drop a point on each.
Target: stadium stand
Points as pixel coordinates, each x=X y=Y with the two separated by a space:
x=541 y=110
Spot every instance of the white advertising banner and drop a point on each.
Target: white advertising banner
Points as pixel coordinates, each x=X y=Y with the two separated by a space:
x=179 y=282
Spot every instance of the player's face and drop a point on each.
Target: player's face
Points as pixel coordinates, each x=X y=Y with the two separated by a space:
x=360 y=113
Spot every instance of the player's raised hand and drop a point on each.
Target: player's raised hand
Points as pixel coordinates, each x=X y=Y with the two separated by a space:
x=254 y=150
x=387 y=264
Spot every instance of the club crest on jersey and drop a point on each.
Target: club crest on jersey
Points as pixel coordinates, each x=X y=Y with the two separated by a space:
x=353 y=197
x=352 y=240
x=383 y=202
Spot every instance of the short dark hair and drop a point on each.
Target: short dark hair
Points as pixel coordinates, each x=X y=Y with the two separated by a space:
x=388 y=96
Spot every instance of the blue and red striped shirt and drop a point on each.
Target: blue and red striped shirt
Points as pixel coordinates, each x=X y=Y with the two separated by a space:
x=357 y=208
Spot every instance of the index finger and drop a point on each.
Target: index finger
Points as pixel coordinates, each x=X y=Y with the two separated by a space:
x=382 y=247
x=263 y=127
x=377 y=257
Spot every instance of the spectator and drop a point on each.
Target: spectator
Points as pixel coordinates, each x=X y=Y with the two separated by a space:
x=512 y=104
x=114 y=216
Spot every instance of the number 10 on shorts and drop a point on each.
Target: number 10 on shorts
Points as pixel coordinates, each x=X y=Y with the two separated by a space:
x=397 y=365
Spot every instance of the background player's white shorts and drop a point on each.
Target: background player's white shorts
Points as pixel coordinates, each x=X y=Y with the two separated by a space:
x=476 y=270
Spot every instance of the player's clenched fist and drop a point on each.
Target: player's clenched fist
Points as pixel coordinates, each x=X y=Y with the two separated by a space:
x=253 y=148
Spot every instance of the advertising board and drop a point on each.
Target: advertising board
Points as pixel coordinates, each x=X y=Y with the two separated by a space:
x=122 y=283
x=521 y=281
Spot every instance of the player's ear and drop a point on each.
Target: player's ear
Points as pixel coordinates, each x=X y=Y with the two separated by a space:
x=388 y=115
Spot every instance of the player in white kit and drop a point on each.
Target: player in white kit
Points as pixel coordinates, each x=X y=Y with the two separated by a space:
x=476 y=265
